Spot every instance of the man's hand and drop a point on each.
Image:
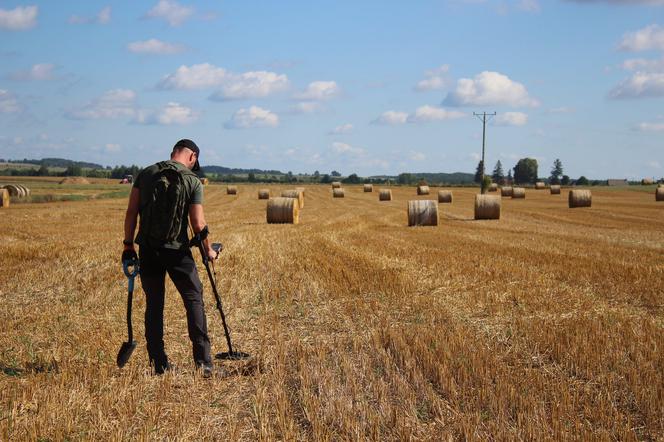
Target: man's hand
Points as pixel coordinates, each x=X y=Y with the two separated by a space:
x=129 y=254
x=212 y=254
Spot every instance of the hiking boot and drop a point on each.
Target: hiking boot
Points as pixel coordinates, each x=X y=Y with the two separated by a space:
x=209 y=370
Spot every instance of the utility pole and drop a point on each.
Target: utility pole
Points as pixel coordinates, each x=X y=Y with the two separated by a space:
x=483 y=118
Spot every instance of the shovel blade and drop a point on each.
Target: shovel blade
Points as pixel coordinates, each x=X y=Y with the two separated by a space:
x=232 y=356
x=125 y=353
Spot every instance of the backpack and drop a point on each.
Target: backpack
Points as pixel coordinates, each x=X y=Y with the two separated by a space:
x=164 y=211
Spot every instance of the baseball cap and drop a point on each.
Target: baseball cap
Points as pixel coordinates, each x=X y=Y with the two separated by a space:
x=191 y=146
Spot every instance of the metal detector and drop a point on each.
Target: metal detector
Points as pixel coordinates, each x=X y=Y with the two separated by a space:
x=197 y=240
x=128 y=347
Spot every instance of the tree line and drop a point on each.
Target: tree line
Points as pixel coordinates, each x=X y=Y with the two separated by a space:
x=526 y=172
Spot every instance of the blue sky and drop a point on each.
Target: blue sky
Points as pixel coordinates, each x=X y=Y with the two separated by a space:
x=372 y=87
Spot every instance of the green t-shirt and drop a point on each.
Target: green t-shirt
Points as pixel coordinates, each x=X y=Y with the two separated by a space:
x=194 y=190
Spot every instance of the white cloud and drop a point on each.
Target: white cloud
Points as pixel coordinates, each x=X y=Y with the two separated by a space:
x=154 y=46
x=529 y=5
x=319 y=90
x=642 y=64
x=102 y=18
x=344 y=148
x=19 y=18
x=116 y=103
x=561 y=110
x=511 y=119
x=417 y=156
x=489 y=88
x=253 y=117
x=650 y=127
x=434 y=79
x=170 y=11
x=252 y=84
x=8 y=102
x=307 y=107
x=197 y=76
x=649 y=38
x=342 y=129
x=255 y=84
x=640 y=85
x=171 y=114
x=424 y=114
x=38 y=72
x=391 y=118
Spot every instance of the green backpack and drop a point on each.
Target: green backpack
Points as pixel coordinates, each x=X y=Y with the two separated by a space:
x=164 y=212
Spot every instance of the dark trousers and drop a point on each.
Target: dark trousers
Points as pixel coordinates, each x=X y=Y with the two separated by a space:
x=181 y=268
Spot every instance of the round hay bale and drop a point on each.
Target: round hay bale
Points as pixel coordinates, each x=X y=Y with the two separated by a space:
x=26 y=191
x=300 y=189
x=493 y=187
x=264 y=194
x=205 y=181
x=647 y=181
x=580 y=198
x=659 y=193
x=384 y=195
x=14 y=190
x=540 y=185
x=422 y=213
x=336 y=184
x=283 y=211
x=338 y=193
x=422 y=190
x=555 y=189
x=4 y=198
x=368 y=187
x=487 y=207
x=299 y=196
x=506 y=191
x=74 y=180
x=518 y=193
x=231 y=190
x=445 y=196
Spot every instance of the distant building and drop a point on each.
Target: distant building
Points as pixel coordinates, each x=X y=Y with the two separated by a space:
x=617 y=183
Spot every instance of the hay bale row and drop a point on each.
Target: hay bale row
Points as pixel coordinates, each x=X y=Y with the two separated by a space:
x=422 y=213
x=231 y=190
x=444 y=196
x=540 y=185
x=4 y=198
x=422 y=190
x=17 y=190
x=384 y=195
x=506 y=191
x=518 y=193
x=659 y=193
x=338 y=192
x=580 y=198
x=493 y=187
x=487 y=207
x=264 y=194
x=283 y=210
x=296 y=194
x=555 y=189
x=368 y=188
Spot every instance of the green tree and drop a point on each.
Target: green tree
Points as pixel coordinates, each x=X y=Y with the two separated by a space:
x=509 y=176
x=352 y=179
x=335 y=173
x=479 y=172
x=251 y=177
x=326 y=179
x=74 y=170
x=43 y=170
x=405 y=178
x=525 y=171
x=565 y=180
x=582 y=181
x=556 y=172
x=498 y=176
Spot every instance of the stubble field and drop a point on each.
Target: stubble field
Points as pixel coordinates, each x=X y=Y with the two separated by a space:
x=545 y=325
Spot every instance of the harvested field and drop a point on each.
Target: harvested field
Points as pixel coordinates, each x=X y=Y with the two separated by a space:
x=547 y=324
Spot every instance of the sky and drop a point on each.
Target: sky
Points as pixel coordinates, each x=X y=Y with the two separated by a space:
x=370 y=87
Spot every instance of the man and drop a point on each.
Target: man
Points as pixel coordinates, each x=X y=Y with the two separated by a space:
x=165 y=195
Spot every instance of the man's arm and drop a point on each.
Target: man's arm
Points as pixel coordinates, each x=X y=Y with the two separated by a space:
x=197 y=219
x=131 y=217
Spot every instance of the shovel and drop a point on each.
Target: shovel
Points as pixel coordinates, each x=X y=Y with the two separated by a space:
x=128 y=347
